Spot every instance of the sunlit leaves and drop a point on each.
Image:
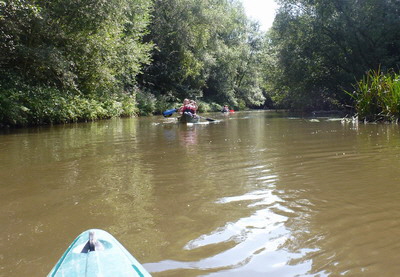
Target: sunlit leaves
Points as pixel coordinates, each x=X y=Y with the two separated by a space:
x=54 y=53
x=86 y=46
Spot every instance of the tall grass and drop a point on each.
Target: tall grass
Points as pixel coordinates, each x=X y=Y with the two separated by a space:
x=377 y=96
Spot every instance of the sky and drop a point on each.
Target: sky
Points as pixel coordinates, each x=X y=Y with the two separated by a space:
x=261 y=10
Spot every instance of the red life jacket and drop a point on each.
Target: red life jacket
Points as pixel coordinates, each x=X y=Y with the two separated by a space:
x=189 y=108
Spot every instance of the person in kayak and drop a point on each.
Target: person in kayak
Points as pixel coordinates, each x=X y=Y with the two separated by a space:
x=185 y=103
x=225 y=109
x=189 y=106
x=192 y=107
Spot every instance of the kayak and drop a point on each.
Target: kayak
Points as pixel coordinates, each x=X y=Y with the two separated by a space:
x=188 y=117
x=97 y=253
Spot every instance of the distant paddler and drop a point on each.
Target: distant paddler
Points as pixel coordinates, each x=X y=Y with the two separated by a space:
x=226 y=109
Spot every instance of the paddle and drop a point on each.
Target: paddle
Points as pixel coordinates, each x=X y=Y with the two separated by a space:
x=206 y=118
x=168 y=113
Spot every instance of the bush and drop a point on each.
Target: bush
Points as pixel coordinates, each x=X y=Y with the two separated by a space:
x=216 y=107
x=128 y=105
x=377 y=96
x=164 y=103
x=203 y=107
x=12 y=112
x=209 y=107
x=38 y=105
x=146 y=102
x=241 y=105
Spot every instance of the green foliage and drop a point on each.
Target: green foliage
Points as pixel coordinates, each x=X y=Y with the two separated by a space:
x=12 y=112
x=213 y=107
x=64 y=57
x=180 y=34
x=92 y=47
x=128 y=103
x=165 y=102
x=209 y=107
x=38 y=105
x=204 y=48
x=377 y=96
x=241 y=105
x=146 y=102
x=204 y=107
x=319 y=47
x=70 y=60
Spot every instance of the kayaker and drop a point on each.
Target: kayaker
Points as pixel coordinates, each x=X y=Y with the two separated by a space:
x=225 y=109
x=189 y=106
x=192 y=107
x=185 y=103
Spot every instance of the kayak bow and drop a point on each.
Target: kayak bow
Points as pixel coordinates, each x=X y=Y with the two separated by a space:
x=97 y=253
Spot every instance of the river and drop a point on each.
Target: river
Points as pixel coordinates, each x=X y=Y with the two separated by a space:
x=256 y=193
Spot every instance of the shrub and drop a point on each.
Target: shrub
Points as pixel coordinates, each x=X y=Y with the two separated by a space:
x=128 y=105
x=146 y=102
x=241 y=105
x=38 y=105
x=165 y=102
x=377 y=96
x=203 y=107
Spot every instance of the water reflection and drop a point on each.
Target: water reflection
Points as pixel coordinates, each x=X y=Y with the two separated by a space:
x=188 y=134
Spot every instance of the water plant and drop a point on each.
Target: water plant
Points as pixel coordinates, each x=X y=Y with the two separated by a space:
x=377 y=96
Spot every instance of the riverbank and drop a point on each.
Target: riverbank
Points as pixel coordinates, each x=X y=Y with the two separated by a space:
x=29 y=106
x=36 y=106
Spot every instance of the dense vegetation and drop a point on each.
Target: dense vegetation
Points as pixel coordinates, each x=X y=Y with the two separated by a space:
x=70 y=60
x=75 y=60
x=206 y=50
x=321 y=48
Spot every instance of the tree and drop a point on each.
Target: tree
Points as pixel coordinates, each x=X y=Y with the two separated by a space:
x=321 y=47
x=70 y=60
x=85 y=46
x=203 y=49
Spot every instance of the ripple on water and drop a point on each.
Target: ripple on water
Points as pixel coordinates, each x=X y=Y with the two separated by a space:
x=258 y=196
x=254 y=244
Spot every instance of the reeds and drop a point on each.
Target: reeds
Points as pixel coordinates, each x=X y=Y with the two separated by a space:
x=377 y=96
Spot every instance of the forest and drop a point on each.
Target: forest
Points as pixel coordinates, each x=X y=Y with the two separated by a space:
x=65 y=61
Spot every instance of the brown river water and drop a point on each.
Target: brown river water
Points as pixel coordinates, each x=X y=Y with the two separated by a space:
x=252 y=194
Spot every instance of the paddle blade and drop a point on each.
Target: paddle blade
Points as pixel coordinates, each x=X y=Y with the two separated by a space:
x=207 y=118
x=169 y=112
